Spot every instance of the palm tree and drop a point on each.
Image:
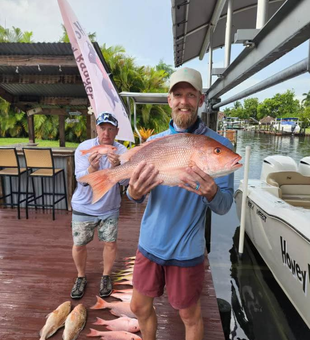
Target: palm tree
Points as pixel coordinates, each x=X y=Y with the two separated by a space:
x=65 y=38
x=165 y=67
x=15 y=34
x=306 y=100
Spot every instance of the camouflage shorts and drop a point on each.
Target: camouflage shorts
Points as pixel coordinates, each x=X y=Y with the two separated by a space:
x=83 y=231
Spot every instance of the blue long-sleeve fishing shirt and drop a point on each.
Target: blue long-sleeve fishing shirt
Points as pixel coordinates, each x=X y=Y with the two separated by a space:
x=173 y=225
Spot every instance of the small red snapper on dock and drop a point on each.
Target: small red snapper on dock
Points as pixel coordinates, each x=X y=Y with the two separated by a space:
x=170 y=155
x=123 y=323
x=117 y=308
x=114 y=335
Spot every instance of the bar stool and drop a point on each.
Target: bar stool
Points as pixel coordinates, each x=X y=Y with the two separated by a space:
x=10 y=168
x=40 y=164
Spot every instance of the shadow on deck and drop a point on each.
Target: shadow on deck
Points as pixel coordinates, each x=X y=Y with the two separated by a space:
x=37 y=273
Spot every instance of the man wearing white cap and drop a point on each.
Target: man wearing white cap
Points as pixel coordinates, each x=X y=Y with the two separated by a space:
x=102 y=215
x=174 y=258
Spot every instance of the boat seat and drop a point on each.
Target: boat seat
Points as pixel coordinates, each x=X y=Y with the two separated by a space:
x=294 y=188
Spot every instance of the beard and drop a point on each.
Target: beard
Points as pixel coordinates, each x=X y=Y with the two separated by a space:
x=184 y=120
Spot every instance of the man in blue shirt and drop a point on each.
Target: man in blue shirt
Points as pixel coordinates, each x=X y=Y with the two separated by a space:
x=103 y=214
x=171 y=246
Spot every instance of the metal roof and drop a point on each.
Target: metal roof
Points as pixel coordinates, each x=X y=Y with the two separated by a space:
x=193 y=18
x=42 y=73
x=36 y=49
x=146 y=98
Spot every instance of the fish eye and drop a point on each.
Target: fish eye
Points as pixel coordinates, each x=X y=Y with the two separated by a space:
x=217 y=151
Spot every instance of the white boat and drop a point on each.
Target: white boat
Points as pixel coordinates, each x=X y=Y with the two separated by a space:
x=277 y=220
x=286 y=125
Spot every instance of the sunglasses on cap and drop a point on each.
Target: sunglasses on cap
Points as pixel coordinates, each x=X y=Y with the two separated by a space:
x=107 y=117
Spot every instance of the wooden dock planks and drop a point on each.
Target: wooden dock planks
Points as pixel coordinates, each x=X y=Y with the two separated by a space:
x=37 y=274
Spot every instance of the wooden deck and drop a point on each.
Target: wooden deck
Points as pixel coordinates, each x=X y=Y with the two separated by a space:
x=37 y=273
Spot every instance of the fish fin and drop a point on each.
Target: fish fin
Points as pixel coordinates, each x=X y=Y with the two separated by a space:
x=101 y=182
x=129 y=258
x=84 y=152
x=112 y=312
x=93 y=332
x=125 y=157
x=99 y=321
x=100 y=304
x=109 y=328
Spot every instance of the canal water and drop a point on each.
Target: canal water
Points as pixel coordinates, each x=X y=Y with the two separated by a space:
x=259 y=308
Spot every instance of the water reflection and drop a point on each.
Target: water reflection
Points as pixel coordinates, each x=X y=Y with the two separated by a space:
x=260 y=309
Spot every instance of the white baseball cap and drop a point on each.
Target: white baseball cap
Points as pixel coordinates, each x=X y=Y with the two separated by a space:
x=188 y=75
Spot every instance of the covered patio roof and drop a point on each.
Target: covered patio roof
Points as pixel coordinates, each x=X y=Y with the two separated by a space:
x=43 y=78
x=194 y=20
x=146 y=98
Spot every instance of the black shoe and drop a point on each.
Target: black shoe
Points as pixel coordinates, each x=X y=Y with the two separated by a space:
x=105 y=286
x=79 y=287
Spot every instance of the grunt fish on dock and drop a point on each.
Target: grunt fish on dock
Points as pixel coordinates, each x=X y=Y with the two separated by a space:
x=55 y=320
x=75 y=322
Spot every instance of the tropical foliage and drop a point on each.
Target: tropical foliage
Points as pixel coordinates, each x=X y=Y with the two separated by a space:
x=280 y=105
x=130 y=77
x=14 y=35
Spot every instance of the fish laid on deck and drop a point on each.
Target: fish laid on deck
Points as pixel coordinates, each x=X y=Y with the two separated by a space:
x=114 y=335
x=55 y=320
x=170 y=155
x=122 y=296
x=75 y=322
x=102 y=149
x=127 y=282
x=124 y=291
x=123 y=323
x=117 y=308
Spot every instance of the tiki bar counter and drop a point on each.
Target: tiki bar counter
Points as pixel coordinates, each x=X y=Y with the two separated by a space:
x=63 y=158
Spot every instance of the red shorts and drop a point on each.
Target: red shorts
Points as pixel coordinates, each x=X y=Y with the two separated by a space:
x=183 y=284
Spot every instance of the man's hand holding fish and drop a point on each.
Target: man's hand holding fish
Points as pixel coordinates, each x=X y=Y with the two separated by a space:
x=195 y=180
x=143 y=180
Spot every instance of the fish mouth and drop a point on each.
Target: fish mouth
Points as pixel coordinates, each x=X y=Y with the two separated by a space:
x=235 y=163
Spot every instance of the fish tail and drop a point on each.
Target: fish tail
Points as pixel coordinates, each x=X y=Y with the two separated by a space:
x=101 y=182
x=99 y=322
x=93 y=332
x=100 y=304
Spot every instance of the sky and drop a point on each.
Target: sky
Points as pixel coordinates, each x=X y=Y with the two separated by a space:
x=144 y=29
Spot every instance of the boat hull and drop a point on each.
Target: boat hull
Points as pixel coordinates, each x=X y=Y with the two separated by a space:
x=279 y=233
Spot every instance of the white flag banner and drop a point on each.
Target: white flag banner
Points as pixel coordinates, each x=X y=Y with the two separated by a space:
x=98 y=85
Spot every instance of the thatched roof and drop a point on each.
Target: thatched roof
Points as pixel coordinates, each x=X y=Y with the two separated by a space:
x=266 y=120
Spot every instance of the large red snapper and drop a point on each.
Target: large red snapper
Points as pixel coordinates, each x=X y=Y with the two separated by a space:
x=170 y=155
